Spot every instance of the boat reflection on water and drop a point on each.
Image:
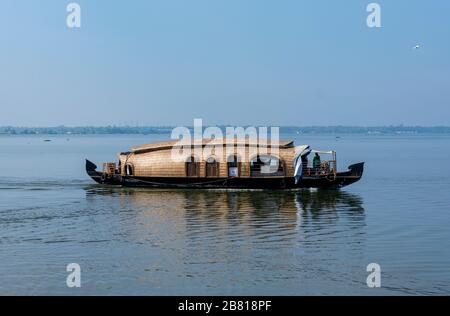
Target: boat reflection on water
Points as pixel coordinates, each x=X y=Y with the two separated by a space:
x=258 y=207
x=216 y=242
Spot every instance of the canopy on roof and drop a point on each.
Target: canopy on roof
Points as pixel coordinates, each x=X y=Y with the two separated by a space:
x=321 y=152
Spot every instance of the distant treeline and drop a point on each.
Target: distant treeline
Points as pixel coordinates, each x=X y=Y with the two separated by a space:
x=90 y=130
x=83 y=130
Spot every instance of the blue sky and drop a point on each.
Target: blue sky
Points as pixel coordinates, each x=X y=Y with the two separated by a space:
x=237 y=62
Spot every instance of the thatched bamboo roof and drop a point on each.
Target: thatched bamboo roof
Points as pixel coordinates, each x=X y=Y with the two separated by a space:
x=213 y=142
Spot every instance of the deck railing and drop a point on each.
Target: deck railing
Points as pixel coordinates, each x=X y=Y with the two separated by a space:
x=327 y=167
x=109 y=168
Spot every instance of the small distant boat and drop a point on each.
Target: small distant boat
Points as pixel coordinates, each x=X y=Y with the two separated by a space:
x=277 y=166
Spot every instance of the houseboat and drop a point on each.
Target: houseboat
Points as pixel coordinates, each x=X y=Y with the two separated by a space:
x=226 y=164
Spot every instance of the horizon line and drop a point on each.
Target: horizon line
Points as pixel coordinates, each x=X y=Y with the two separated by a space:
x=222 y=125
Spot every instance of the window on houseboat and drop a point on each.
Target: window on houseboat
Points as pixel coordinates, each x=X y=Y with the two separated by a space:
x=212 y=167
x=192 y=168
x=266 y=166
x=233 y=166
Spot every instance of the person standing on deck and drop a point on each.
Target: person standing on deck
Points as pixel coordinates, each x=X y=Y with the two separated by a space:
x=316 y=162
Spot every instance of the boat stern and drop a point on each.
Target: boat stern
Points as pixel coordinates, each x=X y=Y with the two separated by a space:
x=102 y=177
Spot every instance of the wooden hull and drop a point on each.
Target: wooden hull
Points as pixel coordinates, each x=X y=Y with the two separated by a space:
x=341 y=179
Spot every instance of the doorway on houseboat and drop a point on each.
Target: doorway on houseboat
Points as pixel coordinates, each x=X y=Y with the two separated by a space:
x=233 y=165
x=212 y=168
x=192 y=167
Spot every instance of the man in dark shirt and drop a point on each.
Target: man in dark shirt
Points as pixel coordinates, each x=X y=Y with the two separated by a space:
x=316 y=162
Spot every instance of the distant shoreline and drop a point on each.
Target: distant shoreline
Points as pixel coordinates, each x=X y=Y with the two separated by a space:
x=112 y=130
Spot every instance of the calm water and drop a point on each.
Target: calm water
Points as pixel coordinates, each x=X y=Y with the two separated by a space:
x=138 y=241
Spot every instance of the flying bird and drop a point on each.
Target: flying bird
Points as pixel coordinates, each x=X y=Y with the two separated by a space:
x=417 y=46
